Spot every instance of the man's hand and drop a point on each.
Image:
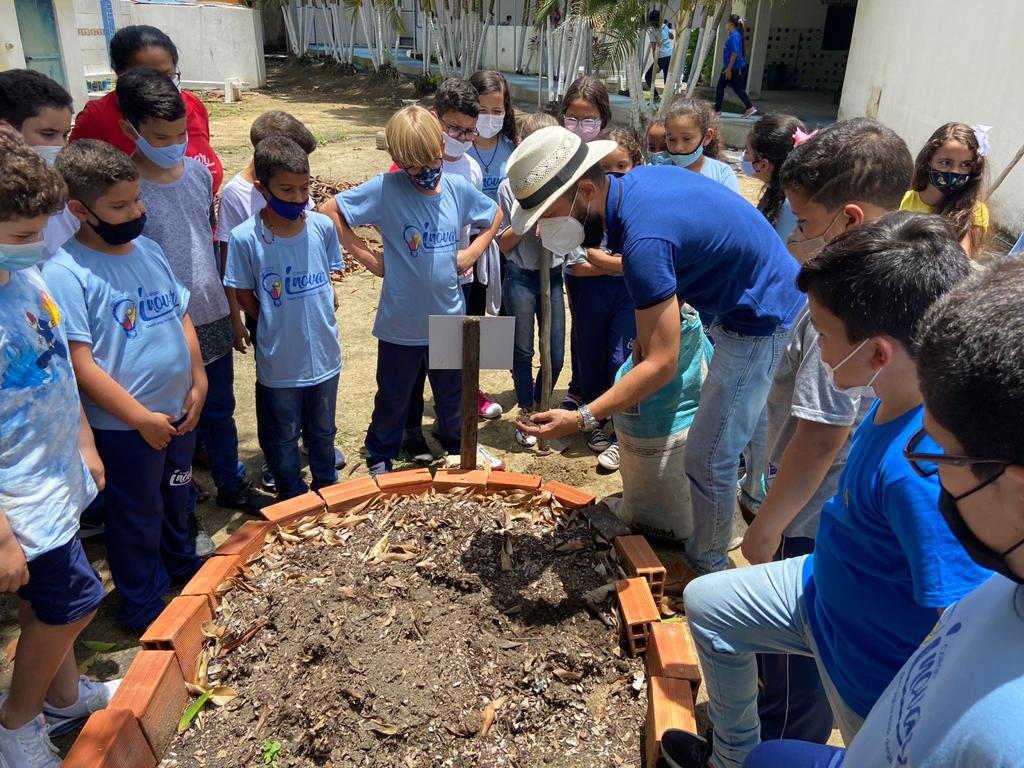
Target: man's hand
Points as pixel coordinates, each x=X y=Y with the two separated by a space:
x=92 y=460
x=761 y=541
x=157 y=429
x=241 y=333
x=548 y=425
x=193 y=409
x=13 y=566
x=728 y=74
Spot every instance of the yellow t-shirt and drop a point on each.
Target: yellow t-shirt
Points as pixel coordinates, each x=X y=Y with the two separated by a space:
x=912 y=202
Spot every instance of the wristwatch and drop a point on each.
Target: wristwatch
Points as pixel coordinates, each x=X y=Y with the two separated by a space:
x=587 y=422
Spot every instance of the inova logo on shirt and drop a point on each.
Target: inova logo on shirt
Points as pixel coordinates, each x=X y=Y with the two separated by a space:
x=151 y=307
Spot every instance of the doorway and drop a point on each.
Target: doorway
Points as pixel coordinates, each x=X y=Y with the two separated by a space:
x=37 y=23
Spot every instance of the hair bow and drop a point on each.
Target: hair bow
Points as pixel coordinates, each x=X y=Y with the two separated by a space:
x=743 y=22
x=981 y=135
x=800 y=136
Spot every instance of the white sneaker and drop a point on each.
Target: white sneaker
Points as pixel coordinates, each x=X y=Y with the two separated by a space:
x=92 y=696
x=525 y=440
x=598 y=441
x=609 y=458
x=28 y=746
x=750 y=112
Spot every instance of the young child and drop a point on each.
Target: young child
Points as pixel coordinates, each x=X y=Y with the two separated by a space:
x=691 y=138
x=177 y=193
x=628 y=155
x=521 y=298
x=420 y=211
x=884 y=565
x=808 y=422
x=657 y=153
x=40 y=109
x=240 y=200
x=769 y=143
x=286 y=253
x=496 y=128
x=46 y=476
x=137 y=359
x=948 y=178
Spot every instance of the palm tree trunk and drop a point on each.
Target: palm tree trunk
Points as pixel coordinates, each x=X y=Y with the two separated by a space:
x=682 y=43
x=710 y=32
x=522 y=37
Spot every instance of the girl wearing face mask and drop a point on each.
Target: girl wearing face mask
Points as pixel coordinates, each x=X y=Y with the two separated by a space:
x=691 y=138
x=496 y=126
x=657 y=153
x=768 y=145
x=948 y=179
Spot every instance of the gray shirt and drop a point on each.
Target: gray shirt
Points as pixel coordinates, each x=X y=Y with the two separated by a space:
x=801 y=390
x=178 y=219
x=526 y=255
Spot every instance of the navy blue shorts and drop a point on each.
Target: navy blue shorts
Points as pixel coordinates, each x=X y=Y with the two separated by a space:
x=62 y=586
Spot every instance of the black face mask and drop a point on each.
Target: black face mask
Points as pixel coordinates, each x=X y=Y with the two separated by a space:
x=978 y=551
x=593 y=230
x=117 y=234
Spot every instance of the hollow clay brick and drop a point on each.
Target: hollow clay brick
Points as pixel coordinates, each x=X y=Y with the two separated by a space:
x=669 y=705
x=505 y=481
x=246 y=542
x=567 y=495
x=215 y=571
x=638 y=559
x=180 y=629
x=111 y=738
x=638 y=612
x=406 y=482
x=342 y=496
x=154 y=691
x=450 y=479
x=290 y=510
x=671 y=653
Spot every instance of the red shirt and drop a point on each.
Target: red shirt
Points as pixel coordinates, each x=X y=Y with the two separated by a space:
x=101 y=120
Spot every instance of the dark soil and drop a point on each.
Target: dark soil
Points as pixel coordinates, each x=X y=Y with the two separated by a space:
x=395 y=642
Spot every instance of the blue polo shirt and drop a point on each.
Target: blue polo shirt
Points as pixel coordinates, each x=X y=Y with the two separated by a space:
x=733 y=44
x=683 y=234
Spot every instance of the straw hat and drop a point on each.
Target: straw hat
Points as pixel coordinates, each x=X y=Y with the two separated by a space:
x=544 y=166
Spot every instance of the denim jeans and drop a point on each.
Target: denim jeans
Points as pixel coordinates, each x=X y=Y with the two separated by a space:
x=731 y=402
x=605 y=334
x=734 y=615
x=217 y=425
x=738 y=83
x=755 y=457
x=289 y=411
x=521 y=299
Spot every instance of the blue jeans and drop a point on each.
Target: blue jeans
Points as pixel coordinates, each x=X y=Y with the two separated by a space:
x=521 y=299
x=605 y=333
x=787 y=753
x=217 y=425
x=755 y=456
x=734 y=615
x=731 y=402
x=289 y=411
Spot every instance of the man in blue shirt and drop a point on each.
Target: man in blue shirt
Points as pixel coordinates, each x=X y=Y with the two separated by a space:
x=683 y=238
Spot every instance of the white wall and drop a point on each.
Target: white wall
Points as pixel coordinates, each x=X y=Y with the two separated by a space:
x=930 y=62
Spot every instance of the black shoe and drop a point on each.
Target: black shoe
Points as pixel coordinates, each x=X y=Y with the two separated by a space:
x=267 y=479
x=246 y=499
x=417 y=450
x=682 y=749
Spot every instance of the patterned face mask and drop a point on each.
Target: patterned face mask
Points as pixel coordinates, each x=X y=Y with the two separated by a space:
x=428 y=178
x=947 y=182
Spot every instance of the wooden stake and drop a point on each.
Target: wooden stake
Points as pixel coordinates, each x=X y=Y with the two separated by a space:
x=1006 y=170
x=470 y=386
x=545 y=338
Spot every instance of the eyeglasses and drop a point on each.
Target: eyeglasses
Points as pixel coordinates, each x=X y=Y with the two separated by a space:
x=587 y=124
x=461 y=134
x=927 y=464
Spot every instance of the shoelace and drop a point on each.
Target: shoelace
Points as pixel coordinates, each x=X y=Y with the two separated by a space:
x=37 y=746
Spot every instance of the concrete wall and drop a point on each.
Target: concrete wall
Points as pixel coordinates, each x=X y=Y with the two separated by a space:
x=896 y=74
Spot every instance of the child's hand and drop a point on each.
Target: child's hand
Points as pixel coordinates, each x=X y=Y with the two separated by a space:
x=193 y=408
x=242 y=338
x=95 y=464
x=157 y=429
x=13 y=566
x=761 y=541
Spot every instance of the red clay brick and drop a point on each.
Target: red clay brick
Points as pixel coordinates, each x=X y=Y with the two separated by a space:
x=246 y=542
x=342 y=496
x=638 y=559
x=638 y=612
x=154 y=691
x=215 y=571
x=112 y=738
x=567 y=495
x=504 y=481
x=406 y=482
x=180 y=629
x=669 y=705
x=671 y=653
x=289 y=511
x=449 y=479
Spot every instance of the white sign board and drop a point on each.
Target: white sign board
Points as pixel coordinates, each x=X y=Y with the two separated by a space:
x=497 y=340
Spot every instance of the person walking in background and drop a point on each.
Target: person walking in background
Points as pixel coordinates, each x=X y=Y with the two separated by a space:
x=734 y=66
x=660 y=35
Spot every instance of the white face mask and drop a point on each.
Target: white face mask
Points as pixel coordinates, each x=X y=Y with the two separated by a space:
x=454 y=147
x=864 y=390
x=490 y=126
x=48 y=152
x=562 y=234
x=747 y=167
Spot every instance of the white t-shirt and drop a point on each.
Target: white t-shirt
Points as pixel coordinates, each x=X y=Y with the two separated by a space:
x=469 y=169
x=59 y=228
x=958 y=700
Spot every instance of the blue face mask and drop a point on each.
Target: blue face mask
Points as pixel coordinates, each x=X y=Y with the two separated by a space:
x=165 y=157
x=14 y=257
x=661 y=158
x=427 y=178
x=286 y=208
x=687 y=159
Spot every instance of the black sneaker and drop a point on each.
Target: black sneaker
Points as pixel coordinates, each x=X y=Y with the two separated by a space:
x=245 y=499
x=267 y=480
x=416 y=448
x=379 y=468
x=682 y=749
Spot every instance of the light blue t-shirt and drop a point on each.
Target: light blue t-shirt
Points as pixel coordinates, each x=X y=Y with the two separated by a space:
x=492 y=165
x=785 y=222
x=720 y=172
x=44 y=484
x=884 y=561
x=665 y=49
x=297 y=338
x=957 y=702
x=421 y=241
x=130 y=309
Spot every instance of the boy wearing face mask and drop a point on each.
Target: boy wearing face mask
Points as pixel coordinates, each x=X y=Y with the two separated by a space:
x=177 y=192
x=885 y=565
x=420 y=211
x=40 y=110
x=285 y=254
x=136 y=356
